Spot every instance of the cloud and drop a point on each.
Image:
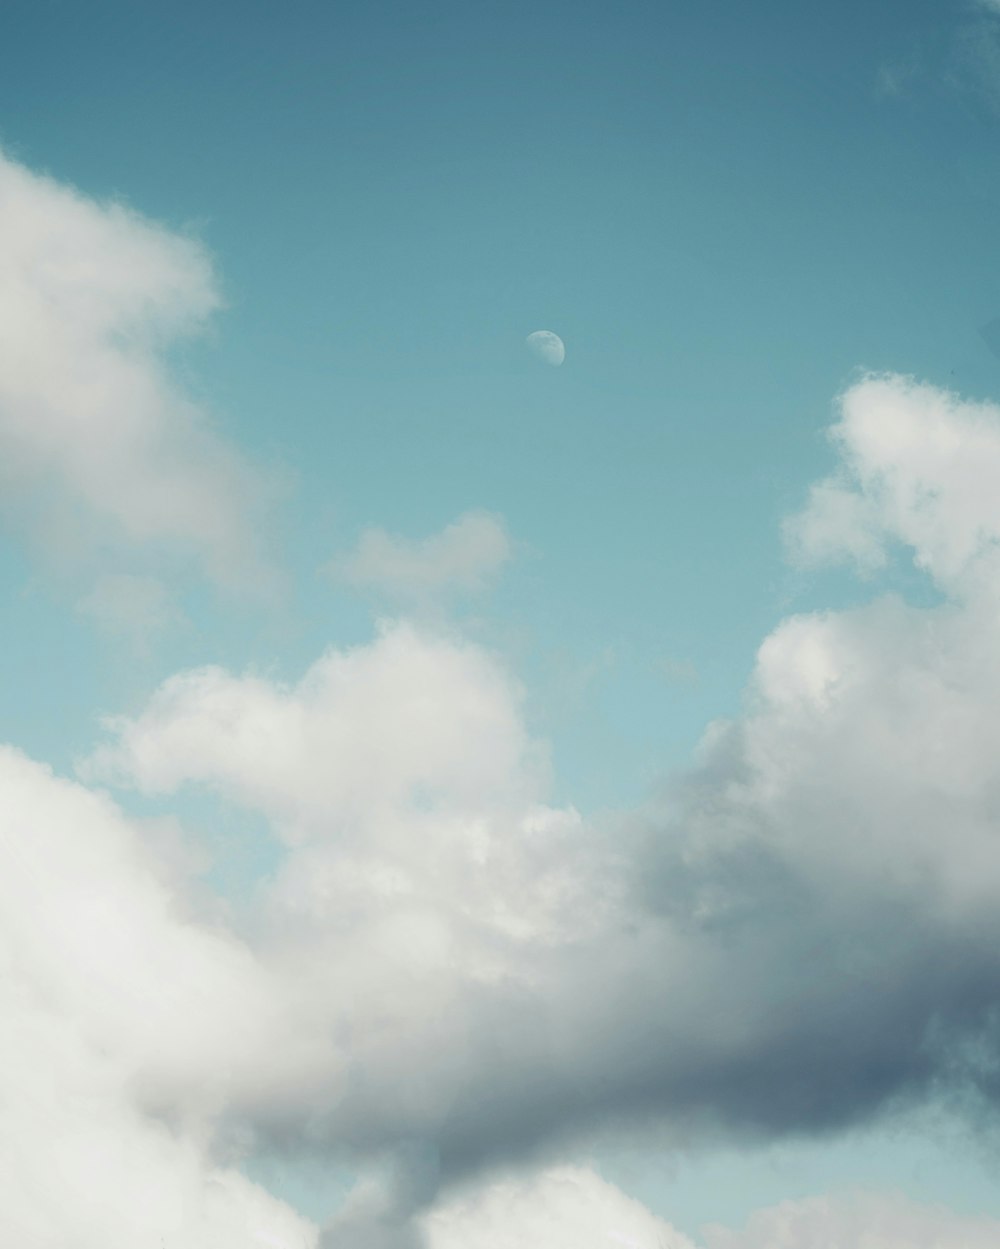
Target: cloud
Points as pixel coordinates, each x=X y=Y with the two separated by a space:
x=99 y=449
x=893 y=78
x=464 y=556
x=919 y=468
x=572 y=1207
x=857 y=1221
x=447 y=974
x=565 y=1207
x=379 y=1211
x=119 y=1022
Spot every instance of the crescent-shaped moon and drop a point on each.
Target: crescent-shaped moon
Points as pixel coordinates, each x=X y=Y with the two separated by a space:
x=547 y=346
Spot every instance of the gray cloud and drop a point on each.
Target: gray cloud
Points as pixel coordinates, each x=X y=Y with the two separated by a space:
x=804 y=933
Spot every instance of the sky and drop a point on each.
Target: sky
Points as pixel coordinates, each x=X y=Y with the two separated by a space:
x=457 y=797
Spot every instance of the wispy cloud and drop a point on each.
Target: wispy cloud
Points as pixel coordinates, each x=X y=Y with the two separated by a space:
x=566 y=1207
x=130 y=608
x=894 y=78
x=465 y=556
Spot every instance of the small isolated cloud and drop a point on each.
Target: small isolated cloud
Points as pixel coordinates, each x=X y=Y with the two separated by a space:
x=464 y=556
x=572 y=1207
x=99 y=448
x=134 y=609
x=892 y=78
x=408 y=721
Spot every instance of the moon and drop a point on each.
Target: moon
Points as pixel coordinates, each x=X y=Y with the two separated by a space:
x=547 y=346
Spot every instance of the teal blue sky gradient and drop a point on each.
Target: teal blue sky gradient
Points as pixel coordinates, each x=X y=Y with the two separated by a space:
x=725 y=210
x=716 y=206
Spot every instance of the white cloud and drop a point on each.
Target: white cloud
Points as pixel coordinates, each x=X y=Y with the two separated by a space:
x=567 y=1207
x=465 y=555
x=920 y=467
x=424 y=870
x=98 y=447
x=118 y=1037
x=857 y=1221
x=572 y=1207
x=410 y=721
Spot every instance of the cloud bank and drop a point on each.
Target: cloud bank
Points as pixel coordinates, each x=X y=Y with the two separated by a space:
x=448 y=975
x=800 y=938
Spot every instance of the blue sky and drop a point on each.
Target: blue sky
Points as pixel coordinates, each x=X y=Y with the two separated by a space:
x=672 y=662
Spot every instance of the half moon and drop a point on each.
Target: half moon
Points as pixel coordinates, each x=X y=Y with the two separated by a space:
x=547 y=346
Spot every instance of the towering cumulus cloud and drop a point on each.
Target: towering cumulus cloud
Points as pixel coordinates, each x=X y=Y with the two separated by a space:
x=97 y=445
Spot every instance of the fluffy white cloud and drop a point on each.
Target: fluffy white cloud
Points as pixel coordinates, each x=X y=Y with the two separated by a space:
x=123 y=1022
x=919 y=467
x=425 y=879
x=465 y=555
x=97 y=445
x=568 y=1207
